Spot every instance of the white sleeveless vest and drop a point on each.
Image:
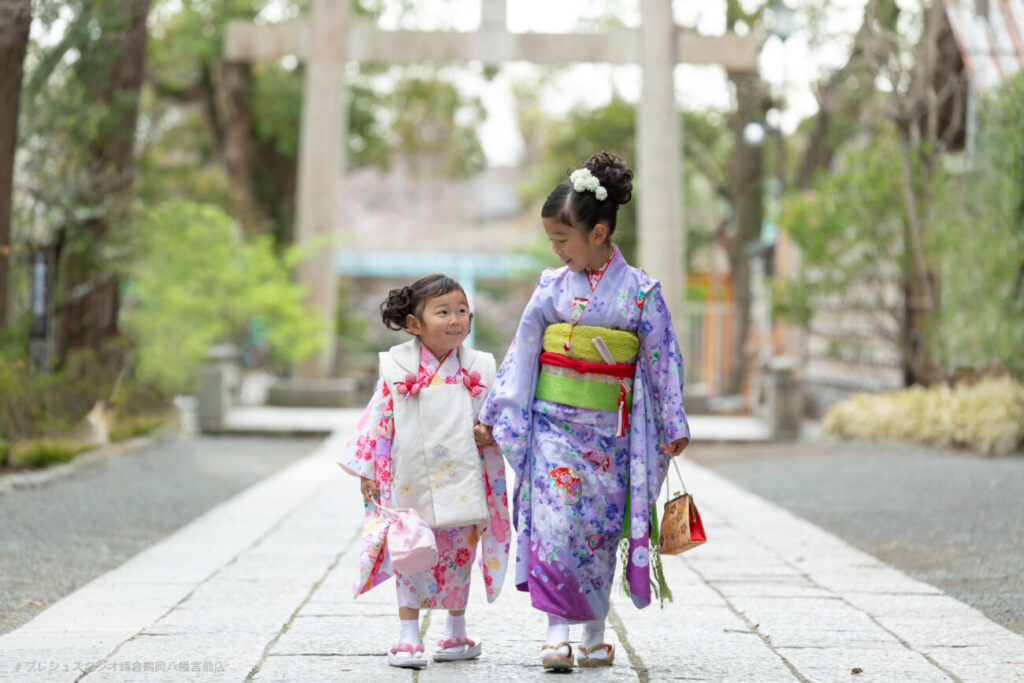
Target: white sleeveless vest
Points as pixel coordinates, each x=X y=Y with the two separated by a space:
x=436 y=468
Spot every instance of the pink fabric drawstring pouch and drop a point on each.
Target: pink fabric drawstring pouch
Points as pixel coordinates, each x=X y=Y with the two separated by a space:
x=411 y=543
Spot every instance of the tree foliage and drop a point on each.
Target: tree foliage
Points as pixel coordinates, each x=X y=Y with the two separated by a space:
x=849 y=228
x=981 y=244
x=194 y=281
x=852 y=231
x=76 y=156
x=240 y=122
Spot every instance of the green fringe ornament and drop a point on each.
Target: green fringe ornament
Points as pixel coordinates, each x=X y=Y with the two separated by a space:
x=659 y=586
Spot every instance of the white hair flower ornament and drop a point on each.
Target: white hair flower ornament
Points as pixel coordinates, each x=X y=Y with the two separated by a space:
x=582 y=180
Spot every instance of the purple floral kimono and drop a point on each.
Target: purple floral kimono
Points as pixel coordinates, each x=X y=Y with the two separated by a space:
x=573 y=474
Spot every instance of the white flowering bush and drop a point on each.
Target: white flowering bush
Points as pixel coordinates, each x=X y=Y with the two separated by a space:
x=987 y=417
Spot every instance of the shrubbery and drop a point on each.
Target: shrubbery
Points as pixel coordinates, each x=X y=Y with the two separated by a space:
x=37 y=403
x=41 y=411
x=192 y=280
x=195 y=281
x=987 y=417
x=38 y=453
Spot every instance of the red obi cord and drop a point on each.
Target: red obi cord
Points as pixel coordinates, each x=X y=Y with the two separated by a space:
x=619 y=371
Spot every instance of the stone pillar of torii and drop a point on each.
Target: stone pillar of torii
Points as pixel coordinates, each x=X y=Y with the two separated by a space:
x=326 y=39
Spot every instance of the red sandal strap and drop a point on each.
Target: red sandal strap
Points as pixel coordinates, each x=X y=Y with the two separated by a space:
x=455 y=642
x=406 y=647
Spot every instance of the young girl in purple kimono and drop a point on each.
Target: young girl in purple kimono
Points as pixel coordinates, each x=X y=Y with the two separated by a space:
x=414 y=448
x=586 y=407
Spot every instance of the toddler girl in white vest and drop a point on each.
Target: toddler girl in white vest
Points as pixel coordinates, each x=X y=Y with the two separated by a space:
x=414 y=448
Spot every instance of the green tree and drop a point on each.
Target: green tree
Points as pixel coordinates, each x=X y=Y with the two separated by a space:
x=434 y=125
x=920 y=112
x=238 y=123
x=849 y=228
x=15 y=19
x=859 y=265
x=979 y=244
x=81 y=98
x=195 y=281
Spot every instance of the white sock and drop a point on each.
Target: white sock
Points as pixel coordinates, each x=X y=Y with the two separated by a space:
x=558 y=632
x=593 y=633
x=409 y=632
x=455 y=627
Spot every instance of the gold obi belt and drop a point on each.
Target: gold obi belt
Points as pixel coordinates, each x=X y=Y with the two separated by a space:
x=589 y=367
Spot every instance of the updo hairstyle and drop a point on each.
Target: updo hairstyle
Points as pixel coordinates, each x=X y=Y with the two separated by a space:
x=583 y=210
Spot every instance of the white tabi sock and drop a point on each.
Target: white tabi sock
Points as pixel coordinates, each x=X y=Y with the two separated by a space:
x=455 y=627
x=409 y=632
x=593 y=633
x=558 y=632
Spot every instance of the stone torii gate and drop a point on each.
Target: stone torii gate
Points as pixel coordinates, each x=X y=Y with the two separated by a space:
x=327 y=39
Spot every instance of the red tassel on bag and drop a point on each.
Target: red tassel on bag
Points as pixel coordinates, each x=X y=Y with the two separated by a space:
x=622 y=426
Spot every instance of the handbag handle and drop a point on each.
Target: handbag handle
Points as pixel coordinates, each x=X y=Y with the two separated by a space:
x=681 y=482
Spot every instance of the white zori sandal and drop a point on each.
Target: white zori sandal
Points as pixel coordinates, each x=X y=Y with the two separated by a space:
x=415 y=660
x=470 y=649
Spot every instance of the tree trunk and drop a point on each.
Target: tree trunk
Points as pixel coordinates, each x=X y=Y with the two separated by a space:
x=262 y=180
x=238 y=141
x=919 y=135
x=90 y=300
x=746 y=171
x=15 y=20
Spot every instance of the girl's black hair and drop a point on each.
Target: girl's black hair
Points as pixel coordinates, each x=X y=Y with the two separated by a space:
x=411 y=299
x=583 y=210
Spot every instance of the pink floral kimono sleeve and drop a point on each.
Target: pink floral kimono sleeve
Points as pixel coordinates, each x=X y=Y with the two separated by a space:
x=371 y=440
x=367 y=454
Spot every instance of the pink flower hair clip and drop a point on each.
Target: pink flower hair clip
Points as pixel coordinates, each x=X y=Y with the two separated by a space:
x=472 y=382
x=410 y=387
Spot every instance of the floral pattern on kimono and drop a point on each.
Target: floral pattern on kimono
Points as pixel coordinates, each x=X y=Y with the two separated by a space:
x=573 y=474
x=367 y=454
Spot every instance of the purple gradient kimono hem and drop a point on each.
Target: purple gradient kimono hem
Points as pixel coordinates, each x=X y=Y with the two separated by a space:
x=572 y=472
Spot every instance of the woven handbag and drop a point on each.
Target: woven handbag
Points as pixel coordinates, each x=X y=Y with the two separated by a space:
x=681 y=525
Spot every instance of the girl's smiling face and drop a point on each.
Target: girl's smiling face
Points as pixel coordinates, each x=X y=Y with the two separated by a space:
x=578 y=250
x=444 y=323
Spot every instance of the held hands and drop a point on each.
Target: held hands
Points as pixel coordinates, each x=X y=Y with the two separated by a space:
x=676 y=447
x=370 y=490
x=483 y=434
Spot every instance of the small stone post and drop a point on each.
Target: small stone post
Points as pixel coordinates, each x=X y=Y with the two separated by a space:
x=783 y=400
x=219 y=381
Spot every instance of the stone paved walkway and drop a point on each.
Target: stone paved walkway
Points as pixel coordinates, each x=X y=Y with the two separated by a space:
x=260 y=587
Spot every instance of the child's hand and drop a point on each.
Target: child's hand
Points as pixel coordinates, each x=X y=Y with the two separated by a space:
x=676 y=447
x=370 y=490
x=484 y=434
